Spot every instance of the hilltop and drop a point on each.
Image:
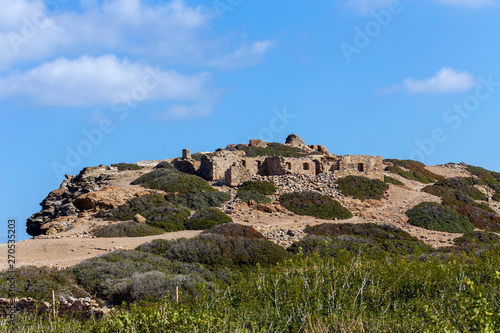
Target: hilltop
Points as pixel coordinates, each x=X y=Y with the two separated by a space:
x=71 y=214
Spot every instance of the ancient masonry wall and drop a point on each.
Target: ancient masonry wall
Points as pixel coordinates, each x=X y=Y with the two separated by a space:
x=233 y=167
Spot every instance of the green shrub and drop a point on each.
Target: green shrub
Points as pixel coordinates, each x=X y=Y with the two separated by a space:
x=476 y=240
x=138 y=205
x=369 y=238
x=491 y=178
x=433 y=216
x=111 y=276
x=199 y=200
x=234 y=230
x=207 y=218
x=362 y=188
x=413 y=175
x=417 y=169
x=127 y=166
x=38 y=283
x=126 y=229
x=314 y=204
x=481 y=218
x=158 y=212
x=164 y=165
x=170 y=180
x=272 y=149
x=218 y=250
x=168 y=218
x=264 y=187
x=393 y=181
x=258 y=197
x=496 y=196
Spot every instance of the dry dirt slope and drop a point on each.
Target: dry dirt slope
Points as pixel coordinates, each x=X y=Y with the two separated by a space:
x=68 y=248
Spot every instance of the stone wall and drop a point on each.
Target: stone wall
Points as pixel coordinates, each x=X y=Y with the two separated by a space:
x=233 y=167
x=84 y=307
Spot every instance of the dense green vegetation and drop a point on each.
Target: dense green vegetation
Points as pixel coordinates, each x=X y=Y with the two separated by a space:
x=126 y=166
x=394 y=181
x=362 y=188
x=126 y=229
x=170 y=180
x=164 y=165
x=207 y=218
x=367 y=238
x=417 y=171
x=258 y=197
x=314 y=204
x=433 y=216
x=272 y=149
x=198 y=200
x=264 y=187
x=460 y=194
x=234 y=230
x=344 y=293
x=491 y=178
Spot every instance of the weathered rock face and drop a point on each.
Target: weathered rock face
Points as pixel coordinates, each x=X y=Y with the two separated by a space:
x=257 y=143
x=86 y=191
x=295 y=141
x=320 y=148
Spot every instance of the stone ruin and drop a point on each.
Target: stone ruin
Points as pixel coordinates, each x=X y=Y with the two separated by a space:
x=232 y=167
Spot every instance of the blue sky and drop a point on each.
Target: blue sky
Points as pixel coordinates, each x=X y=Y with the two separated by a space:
x=101 y=82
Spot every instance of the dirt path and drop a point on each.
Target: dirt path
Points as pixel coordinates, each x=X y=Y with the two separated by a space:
x=66 y=252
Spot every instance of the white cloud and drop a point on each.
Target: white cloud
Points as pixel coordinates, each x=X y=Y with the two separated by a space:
x=104 y=80
x=365 y=6
x=166 y=32
x=447 y=80
x=470 y=3
x=246 y=55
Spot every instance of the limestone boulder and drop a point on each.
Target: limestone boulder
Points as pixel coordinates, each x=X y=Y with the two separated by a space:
x=257 y=143
x=295 y=141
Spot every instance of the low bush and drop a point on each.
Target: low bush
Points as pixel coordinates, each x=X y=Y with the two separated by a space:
x=156 y=209
x=413 y=175
x=218 y=250
x=207 y=218
x=258 y=197
x=272 y=149
x=170 y=180
x=393 y=181
x=126 y=229
x=496 y=196
x=364 y=237
x=433 y=216
x=127 y=166
x=234 y=230
x=38 y=283
x=168 y=218
x=362 y=188
x=491 y=178
x=264 y=187
x=481 y=218
x=138 y=205
x=117 y=276
x=476 y=240
x=314 y=204
x=417 y=169
x=198 y=200
x=164 y=165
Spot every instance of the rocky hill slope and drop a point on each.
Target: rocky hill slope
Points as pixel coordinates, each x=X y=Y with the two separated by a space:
x=91 y=199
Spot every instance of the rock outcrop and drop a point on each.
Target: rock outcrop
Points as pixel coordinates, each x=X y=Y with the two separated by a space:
x=295 y=141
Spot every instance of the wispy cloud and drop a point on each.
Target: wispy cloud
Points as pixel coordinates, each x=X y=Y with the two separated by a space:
x=246 y=55
x=470 y=3
x=88 y=81
x=447 y=80
x=167 y=32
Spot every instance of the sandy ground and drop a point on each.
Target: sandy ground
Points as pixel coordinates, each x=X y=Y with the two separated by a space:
x=72 y=247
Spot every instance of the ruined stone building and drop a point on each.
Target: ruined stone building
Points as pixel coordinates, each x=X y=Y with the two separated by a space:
x=233 y=166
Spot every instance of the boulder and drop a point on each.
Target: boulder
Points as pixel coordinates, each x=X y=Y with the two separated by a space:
x=139 y=218
x=257 y=143
x=295 y=141
x=320 y=148
x=266 y=208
